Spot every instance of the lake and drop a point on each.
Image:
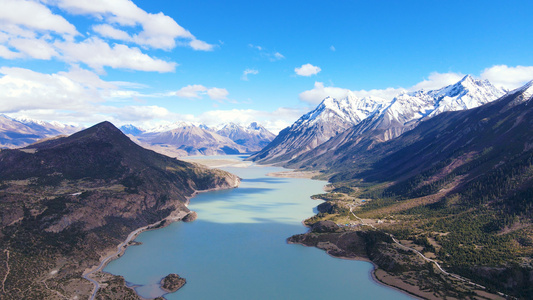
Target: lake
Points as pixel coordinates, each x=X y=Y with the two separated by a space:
x=237 y=248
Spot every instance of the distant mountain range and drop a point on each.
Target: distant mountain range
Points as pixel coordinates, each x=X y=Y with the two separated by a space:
x=177 y=139
x=353 y=116
x=15 y=133
x=182 y=138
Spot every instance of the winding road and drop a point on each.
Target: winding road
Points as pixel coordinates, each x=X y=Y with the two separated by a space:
x=424 y=257
x=120 y=248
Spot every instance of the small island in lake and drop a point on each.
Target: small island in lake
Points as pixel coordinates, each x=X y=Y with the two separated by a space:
x=172 y=283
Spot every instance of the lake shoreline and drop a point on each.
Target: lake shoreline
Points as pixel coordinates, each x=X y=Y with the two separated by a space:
x=112 y=255
x=284 y=173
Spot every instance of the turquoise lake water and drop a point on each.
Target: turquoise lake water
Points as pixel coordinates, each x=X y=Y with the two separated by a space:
x=237 y=248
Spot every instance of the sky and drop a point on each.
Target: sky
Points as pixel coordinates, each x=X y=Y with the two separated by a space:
x=154 y=62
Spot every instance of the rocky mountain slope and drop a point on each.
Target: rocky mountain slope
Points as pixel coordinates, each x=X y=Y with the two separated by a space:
x=15 y=133
x=386 y=120
x=192 y=139
x=458 y=187
x=183 y=139
x=253 y=138
x=331 y=117
x=65 y=203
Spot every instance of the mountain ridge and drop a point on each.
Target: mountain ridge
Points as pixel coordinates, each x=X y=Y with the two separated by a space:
x=393 y=118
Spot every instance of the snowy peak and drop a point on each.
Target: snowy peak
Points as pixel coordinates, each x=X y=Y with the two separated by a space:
x=131 y=129
x=253 y=137
x=349 y=109
x=21 y=132
x=465 y=94
x=169 y=127
x=526 y=92
x=333 y=116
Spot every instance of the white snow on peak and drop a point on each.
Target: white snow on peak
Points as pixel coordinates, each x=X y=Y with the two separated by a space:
x=526 y=89
x=350 y=109
x=465 y=94
x=169 y=127
x=406 y=108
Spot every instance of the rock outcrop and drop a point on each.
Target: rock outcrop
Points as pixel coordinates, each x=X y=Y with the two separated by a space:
x=172 y=283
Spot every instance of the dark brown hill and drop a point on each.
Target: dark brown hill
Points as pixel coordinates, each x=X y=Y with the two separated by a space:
x=66 y=202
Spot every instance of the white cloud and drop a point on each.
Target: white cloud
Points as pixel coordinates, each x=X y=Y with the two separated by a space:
x=97 y=54
x=159 y=30
x=34 y=15
x=108 y=31
x=201 y=45
x=434 y=81
x=437 y=80
x=278 y=56
x=272 y=120
x=34 y=48
x=23 y=89
x=307 y=70
x=247 y=72
x=77 y=95
x=197 y=91
x=332 y=48
x=31 y=29
x=508 y=77
x=8 y=54
x=192 y=91
x=272 y=56
x=319 y=92
x=217 y=93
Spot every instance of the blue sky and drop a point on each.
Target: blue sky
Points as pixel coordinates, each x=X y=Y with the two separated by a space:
x=153 y=62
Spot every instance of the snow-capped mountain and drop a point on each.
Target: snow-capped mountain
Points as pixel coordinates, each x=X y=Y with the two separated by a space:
x=186 y=138
x=131 y=130
x=408 y=109
x=21 y=132
x=331 y=117
x=254 y=137
x=389 y=119
x=189 y=139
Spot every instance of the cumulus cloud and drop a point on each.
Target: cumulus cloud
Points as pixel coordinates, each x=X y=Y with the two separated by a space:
x=35 y=15
x=319 y=92
x=97 y=54
x=201 y=45
x=34 y=48
x=108 y=31
x=434 y=81
x=31 y=29
x=191 y=91
x=307 y=70
x=247 y=72
x=24 y=89
x=437 y=80
x=508 y=77
x=217 y=93
x=158 y=30
x=77 y=95
x=197 y=91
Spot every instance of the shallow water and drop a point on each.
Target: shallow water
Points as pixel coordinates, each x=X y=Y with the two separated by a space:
x=237 y=248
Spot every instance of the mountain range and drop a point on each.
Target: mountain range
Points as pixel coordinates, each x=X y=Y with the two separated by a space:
x=16 y=133
x=458 y=187
x=353 y=116
x=177 y=139
x=182 y=138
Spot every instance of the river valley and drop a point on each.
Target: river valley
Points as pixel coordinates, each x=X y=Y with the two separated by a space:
x=237 y=248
